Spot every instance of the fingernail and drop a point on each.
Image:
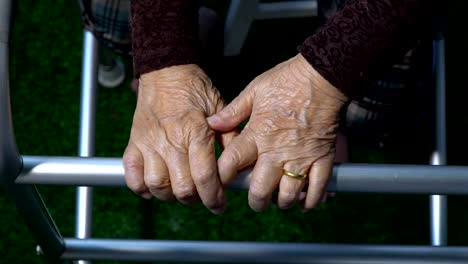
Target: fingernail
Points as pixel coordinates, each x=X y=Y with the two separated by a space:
x=219 y=209
x=147 y=195
x=213 y=119
x=259 y=206
x=305 y=210
x=190 y=200
x=221 y=204
x=302 y=196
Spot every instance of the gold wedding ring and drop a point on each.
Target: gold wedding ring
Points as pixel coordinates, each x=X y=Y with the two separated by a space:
x=295 y=175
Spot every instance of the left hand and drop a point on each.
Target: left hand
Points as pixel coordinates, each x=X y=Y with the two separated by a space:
x=293 y=124
x=171 y=151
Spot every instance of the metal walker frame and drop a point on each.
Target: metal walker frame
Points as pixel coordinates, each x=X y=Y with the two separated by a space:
x=19 y=174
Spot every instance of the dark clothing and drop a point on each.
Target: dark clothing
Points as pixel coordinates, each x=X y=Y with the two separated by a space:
x=165 y=33
x=348 y=50
x=364 y=36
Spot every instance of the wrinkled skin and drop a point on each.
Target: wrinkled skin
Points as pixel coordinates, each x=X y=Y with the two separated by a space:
x=171 y=154
x=293 y=124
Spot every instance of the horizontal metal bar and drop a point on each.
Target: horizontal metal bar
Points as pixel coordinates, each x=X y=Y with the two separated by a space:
x=79 y=171
x=242 y=252
x=383 y=178
x=287 y=9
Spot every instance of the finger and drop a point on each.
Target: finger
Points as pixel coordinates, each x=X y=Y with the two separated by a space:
x=133 y=166
x=319 y=175
x=265 y=178
x=341 y=155
x=302 y=196
x=157 y=177
x=324 y=198
x=290 y=188
x=240 y=153
x=234 y=113
x=225 y=138
x=182 y=184
x=204 y=173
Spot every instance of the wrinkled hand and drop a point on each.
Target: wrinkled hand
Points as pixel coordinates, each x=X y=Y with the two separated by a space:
x=293 y=124
x=171 y=151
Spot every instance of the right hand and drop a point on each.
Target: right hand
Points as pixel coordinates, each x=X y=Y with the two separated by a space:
x=293 y=122
x=171 y=153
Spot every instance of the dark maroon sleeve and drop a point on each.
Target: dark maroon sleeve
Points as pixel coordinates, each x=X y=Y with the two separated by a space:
x=365 y=36
x=164 y=33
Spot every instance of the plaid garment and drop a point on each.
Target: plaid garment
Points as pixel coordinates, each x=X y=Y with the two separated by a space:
x=109 y=21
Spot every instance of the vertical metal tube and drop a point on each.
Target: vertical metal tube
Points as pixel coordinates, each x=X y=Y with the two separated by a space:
x=26 y=198
x=10 y=160
x=441 y=135
x=438 y=213
x=438 y=203
x=6 y=14
x=84 y=203
x=240 y=16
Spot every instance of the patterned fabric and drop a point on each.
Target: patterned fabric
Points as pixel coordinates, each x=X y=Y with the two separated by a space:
x=109 y=21
x=355 y=44
x=350 y=49
x=165 y=33
x=389 y=99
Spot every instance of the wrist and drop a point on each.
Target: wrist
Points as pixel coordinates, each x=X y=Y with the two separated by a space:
x=318 y=81
x=182 y=79
x=173 y=73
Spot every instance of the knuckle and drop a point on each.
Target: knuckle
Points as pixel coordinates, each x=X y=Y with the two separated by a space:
x=133 y=180
x=226 y=161
x=130 y=163
x=157 y=185
x=136 y=186
x=202 y=138
x=230 y=159
x=232 y=110
x=204 y=178
x=233 y=157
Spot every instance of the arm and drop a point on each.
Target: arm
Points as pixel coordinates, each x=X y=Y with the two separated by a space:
x=170 y=154
x=164 y=33
x=294 y=107
x=364 y=36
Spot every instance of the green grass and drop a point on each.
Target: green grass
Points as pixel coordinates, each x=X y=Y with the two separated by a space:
x=45 y=81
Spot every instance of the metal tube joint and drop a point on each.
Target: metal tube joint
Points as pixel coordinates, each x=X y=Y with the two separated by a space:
x=6 y=22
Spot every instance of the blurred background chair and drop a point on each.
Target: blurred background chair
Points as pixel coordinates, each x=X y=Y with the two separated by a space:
x=242 y=13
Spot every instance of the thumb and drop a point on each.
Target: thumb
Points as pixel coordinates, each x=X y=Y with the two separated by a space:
x=234 y=113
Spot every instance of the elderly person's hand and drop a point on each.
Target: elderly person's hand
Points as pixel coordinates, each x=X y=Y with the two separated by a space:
x=171 y=151
x=290 y=134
